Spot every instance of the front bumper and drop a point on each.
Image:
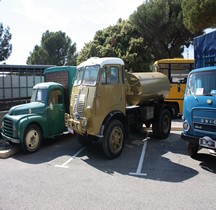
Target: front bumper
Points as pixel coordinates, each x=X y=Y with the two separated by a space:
x=204 y=142
x=17 y=141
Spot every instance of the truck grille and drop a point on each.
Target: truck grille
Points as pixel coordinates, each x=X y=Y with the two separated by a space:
x=204 y=120
x=79 y=104
x=8 y=127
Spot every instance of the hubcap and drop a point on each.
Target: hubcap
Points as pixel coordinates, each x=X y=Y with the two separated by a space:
x=32 y=139
x=116 y=139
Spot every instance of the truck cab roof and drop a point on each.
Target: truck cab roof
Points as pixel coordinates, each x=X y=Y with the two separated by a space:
x=209 y=68
x=102 y=61
x=46 y=85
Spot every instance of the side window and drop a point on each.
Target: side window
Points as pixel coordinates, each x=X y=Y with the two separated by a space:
x=55 y=97
x=110 y=75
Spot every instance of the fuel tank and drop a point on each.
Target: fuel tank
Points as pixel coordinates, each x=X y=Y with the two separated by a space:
x=144 y=87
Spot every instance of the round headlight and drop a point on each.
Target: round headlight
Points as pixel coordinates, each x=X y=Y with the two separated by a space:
x=186 y=126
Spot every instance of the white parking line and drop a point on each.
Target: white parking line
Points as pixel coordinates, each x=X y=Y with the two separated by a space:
x=139 y=168
x=64 y=165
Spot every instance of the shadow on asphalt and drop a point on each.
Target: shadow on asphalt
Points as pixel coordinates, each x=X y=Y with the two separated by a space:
x=164 y=159
x=207 y=162
x=156 y=166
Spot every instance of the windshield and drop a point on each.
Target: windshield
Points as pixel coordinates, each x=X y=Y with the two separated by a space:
x=202 y=83
x=39 y=95
x=87 y=75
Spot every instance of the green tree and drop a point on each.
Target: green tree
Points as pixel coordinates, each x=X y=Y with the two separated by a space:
x=199 y=15
x=5 y=46
x=160 y=23
x=120 y=40
x=56 y=49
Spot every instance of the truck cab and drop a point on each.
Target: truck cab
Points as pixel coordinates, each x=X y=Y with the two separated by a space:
x=199 y=119
x=27 y=124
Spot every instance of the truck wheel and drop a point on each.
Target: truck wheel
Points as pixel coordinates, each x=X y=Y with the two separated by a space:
x=32 y=139
x=161 y=128
x=192 y=149
x=113 y=140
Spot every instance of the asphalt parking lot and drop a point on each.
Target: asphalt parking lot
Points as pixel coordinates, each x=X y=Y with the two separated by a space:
x=149 y=174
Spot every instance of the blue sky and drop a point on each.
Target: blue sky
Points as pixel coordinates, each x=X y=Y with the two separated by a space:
x=79 y=19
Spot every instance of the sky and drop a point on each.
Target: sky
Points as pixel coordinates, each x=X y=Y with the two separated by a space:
x=79 y=19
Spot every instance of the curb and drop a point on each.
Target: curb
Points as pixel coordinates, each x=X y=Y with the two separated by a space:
x=7 y=150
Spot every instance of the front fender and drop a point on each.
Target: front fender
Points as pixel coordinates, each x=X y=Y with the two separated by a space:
x=33 y=119
x=113 y=115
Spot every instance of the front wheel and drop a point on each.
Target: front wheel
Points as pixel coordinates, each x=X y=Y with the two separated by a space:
x=113 y=140
x=32 y=139
x=162 y=127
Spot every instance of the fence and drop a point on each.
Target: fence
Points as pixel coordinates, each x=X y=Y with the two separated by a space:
x=16 y=82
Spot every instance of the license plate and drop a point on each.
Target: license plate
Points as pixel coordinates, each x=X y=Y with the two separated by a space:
x=207 y=142
x=70 y=130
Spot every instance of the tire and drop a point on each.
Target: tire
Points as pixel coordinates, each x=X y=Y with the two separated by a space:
x=84 y=140
x=192 y=149
x=175 y=111
x=32 y=139
x=161 y=128
x=113 y=140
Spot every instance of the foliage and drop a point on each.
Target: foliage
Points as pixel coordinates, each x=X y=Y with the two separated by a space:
x=56 y=49
x=199 y=15
x=5 y=46
x=120 y=40
x=160 y=23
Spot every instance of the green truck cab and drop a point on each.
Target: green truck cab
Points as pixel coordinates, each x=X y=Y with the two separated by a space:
x=28 y=124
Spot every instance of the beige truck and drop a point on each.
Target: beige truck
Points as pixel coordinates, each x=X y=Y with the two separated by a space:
x=107 y=102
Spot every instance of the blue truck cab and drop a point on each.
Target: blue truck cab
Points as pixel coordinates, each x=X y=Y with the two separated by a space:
x=199 y=110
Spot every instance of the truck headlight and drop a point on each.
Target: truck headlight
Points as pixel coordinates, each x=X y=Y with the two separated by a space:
x=186 y=125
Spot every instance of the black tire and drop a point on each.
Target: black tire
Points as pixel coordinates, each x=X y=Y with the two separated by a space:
x=113 y=140
x=32 y=139
x=192 y=149
x=175 y=111
x=161 y=128
x=84 y=140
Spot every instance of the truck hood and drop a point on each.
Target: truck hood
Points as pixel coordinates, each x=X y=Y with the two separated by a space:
x=29 y=108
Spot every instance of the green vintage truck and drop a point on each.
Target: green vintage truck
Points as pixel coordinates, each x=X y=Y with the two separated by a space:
x=29 y=124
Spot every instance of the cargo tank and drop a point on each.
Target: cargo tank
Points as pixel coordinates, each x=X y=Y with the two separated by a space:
x=144 y=87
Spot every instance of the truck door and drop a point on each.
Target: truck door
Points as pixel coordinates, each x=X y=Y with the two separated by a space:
x=55 y=112
x=110 y=92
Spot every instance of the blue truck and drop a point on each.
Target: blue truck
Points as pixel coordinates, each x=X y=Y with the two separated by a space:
x=199 y=110
x=29 y=124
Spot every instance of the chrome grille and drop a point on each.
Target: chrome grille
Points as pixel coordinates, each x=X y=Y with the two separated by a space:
x=79 y=104
x=8 y=127
x=204 y=119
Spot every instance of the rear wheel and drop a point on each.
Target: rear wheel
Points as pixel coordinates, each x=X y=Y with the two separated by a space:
x=162 y=127
x=32 y=139
x=113 y=140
